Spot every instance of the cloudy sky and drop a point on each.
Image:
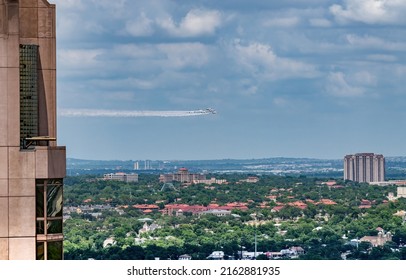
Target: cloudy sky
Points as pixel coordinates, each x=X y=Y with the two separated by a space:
x=294 y=78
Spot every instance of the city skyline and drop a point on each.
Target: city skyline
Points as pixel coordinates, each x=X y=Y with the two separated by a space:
x=291 y=79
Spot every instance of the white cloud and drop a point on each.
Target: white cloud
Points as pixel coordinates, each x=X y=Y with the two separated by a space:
x=371 y=42
x=364 y=78
x=141 y=26
x=196 y=23
x=282 y=22
x=382 y=57
x=338 y=85
x=80 y=58
x=137 y=51
x=280 y=102
x=370 y=11
x=261 y=61
x=319 y=22
x=182 y=55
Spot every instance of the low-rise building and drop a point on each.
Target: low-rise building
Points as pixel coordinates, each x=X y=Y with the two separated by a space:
x=121 y=176
x=185 y=257
x=216 y=255
x=378 y=240
x=183 y=175
x=210 y=181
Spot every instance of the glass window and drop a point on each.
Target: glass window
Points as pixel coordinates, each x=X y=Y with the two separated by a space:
x=54 y=250
x=40 y=250
x=54 y=201
x=54 y=226
x=40 y=227
x=40 y=201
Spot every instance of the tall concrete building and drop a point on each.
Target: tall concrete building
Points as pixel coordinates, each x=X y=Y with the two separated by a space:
x=32 y=166
x=364 y=167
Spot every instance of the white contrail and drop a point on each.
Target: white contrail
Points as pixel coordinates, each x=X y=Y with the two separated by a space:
x=130 y=114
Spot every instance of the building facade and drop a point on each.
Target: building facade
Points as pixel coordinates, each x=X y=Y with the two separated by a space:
x=364 y=167
x=121 y=176
x=32 y=166
x=183 y=175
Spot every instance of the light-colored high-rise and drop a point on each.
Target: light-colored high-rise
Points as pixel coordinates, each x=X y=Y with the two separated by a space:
x=32 y=166
x=364 y=167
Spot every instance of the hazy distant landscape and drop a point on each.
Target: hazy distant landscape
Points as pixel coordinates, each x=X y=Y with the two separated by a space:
x=395 y=166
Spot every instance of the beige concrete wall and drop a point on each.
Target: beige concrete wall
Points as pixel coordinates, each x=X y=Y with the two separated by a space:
x=21 y=187
x=21 y=163
x=28 y=3
x=3 y=248
x=21 y=217
x=3 y=98
x=50 y=162
x=13 y=105
x=3 y=163
x=25 y=22
x=3 y=217
x=22 y=249
x=3 y=187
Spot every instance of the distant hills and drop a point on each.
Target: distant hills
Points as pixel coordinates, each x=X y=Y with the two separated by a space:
x=395 y=166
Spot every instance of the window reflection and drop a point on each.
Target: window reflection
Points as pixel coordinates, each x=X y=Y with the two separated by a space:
x=54 y=226
x=54 y=250
x=54 y=201
x=40 y=250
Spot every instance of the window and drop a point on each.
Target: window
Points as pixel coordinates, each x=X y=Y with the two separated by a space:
x=49 y=205
x=54 y=250
x=28 y=91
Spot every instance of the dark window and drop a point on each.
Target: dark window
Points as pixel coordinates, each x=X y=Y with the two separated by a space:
x=54 y=250
x=54 y=226
x=40 y=250
x=28 y=91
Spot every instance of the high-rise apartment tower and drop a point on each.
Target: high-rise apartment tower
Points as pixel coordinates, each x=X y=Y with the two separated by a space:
x=32 y=166
x=364 y=167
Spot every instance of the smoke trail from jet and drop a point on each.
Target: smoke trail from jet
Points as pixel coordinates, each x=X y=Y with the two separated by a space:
x=130 y=114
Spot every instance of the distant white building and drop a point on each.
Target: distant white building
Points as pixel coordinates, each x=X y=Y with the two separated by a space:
x=364 y=167
x=109 y=242
x=210 y=181
x=185 y=257
x=121 y=176
x=378 y=240
x=216 y=255
x=216 y=212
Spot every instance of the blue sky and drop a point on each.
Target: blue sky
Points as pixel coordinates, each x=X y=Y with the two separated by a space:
x=294 y=78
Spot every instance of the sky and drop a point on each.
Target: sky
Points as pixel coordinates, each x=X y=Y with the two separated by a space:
x=293 y=78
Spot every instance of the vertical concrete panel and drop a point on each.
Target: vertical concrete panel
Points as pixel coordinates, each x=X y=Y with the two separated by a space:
x=28 y=22
x=3 y=217
x=44 y=4
x=13 y=106
x=3 y=19
x=47 y=53
x=3 y=52
x=41 y=162
x=21 y=164
x=46 y=23
x=3 y=163
x=21 y=187
x=21 y=216
x=28 y=3
x=3 y=105
x=13 y=51
x=22 y=248
x=13 y=18
x=3 y=248
x=57 y=162
x=47 y=103
x=3 y=187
